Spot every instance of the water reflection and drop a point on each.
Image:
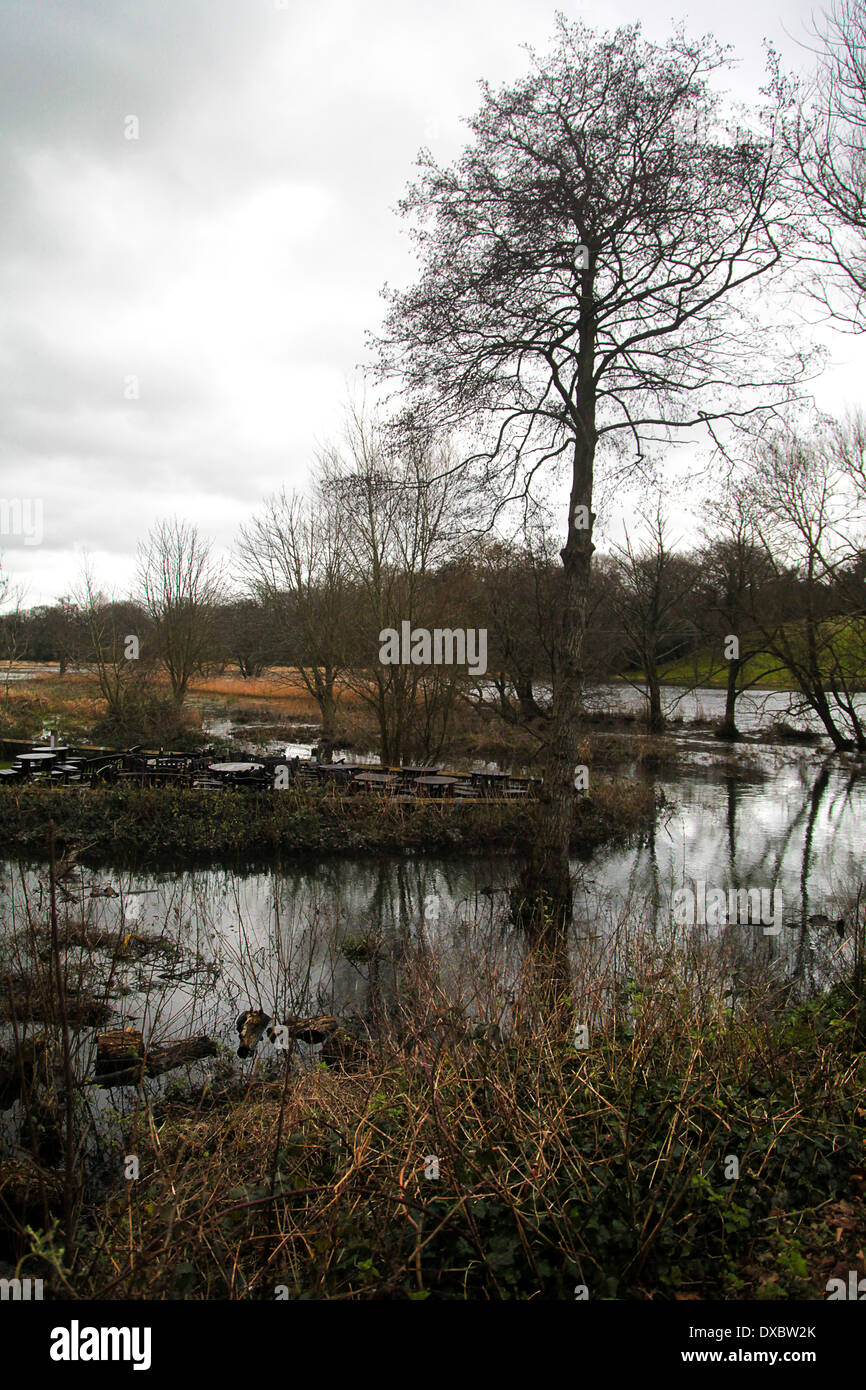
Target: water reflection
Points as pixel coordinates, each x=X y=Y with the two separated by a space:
x=352 y=935
x=756 y=709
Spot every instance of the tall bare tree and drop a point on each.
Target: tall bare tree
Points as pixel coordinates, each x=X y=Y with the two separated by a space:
x=402 y=505
x=825 y=131
x=653 y=579
x=294 y=558
x=589 y=275
x=181 y=584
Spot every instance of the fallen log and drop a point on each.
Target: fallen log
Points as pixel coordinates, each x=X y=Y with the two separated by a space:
x=171 y=1055
x=33 y=1000
x=310 y=1030
x=18 y=1068
x=123 y=1060
x=253 y=1024
x=119 y=943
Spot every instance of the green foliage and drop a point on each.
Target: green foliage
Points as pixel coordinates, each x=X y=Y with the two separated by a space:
x=209 y=825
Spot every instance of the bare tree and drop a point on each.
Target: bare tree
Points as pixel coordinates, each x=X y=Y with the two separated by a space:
x=181 y=585
x=825 y=131
x=652 y=582
x=64 y=631
x=589 y=274
x=812 y=617
x=293 y=555
x=12 y=633
x=734 y=573
x=519 y=599
x=245 y=633
x=402 y=504
x=123 y=669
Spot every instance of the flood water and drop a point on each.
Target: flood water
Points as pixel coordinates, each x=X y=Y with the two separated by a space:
x=344 y=934
x=757 y=710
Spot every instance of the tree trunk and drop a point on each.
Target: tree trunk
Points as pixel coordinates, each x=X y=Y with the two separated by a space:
x=655 y=718
x=527 y=702
x=543 y=902
x=729 y=724
x=328 y=707
x=821 y=705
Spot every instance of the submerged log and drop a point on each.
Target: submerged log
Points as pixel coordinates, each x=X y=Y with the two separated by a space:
x=18 y=1068
x=34 y=1000
x=122 y=1059
x=120 y=943
x=253 y=1024
x=162 y=1059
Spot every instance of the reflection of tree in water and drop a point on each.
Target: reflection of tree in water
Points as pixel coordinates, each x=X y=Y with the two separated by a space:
x=404 y=910
x=440 y=928
x=796 y=830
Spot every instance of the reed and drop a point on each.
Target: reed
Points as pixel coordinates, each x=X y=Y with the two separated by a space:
x=467 y=1147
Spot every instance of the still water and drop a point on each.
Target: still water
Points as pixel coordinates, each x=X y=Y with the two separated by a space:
x=335 y=934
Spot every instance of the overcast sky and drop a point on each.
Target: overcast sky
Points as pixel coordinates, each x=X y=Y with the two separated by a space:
x=227 y=262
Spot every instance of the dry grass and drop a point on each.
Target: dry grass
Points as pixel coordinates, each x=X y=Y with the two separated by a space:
x=282 y=684
x=558 y=1164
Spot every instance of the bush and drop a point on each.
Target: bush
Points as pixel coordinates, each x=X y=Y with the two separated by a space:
x=150 y=718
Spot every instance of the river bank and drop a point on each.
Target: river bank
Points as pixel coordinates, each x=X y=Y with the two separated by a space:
x=675 y=1150
x=135 y=823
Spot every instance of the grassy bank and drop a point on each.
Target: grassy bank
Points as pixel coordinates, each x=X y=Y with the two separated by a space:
x=137 y=822
x=661 y=1115
x=763 y=672
x=556 y=1167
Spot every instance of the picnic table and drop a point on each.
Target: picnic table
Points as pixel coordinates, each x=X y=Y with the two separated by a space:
x=34 y=764
x=436 y=785
x=237 y=773
x=381 y=780
x=233 y=769
x=65 y=771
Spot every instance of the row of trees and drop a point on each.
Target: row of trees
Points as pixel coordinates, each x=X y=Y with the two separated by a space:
x=385 y=537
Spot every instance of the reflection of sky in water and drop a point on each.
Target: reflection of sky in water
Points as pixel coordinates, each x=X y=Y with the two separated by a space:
x=756 y=709
x=272 y=939
x=800 y=828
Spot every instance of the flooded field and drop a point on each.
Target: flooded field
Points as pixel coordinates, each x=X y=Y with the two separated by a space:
x=336 y=935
